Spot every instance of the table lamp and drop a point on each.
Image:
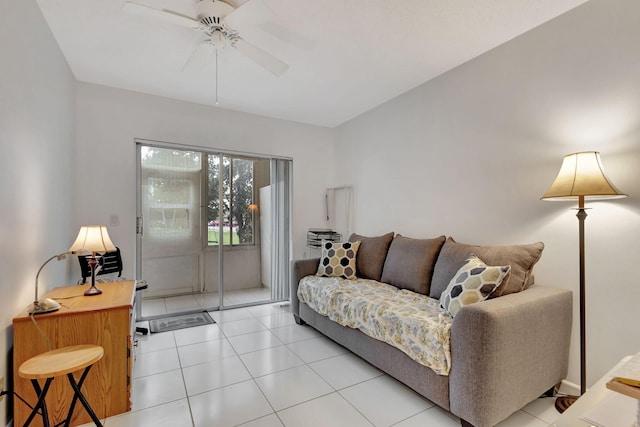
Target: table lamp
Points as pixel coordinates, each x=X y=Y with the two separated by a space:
x=581 y=178
x=93 y=238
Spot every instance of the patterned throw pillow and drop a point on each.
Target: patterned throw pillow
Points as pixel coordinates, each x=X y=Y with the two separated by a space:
x=338 y=259
x=474 y=282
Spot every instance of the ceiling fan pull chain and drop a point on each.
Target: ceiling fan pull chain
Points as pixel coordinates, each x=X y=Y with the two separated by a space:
x=216 y=76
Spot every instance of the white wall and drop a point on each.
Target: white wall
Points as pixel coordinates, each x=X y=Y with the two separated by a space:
x=36 y=172
x=109 y=119
x=470 y=153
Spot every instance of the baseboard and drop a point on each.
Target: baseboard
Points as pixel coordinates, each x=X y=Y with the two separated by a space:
x=567 y=387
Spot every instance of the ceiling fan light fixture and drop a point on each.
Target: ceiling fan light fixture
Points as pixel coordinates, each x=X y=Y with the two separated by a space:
x=218 y=40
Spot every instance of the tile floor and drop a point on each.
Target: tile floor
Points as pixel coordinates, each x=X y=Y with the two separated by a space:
x=159 y=306
x=256 y=367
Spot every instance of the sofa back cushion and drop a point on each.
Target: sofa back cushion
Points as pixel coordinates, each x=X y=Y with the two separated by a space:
x=371 y=255
x=521 y=258
x=410 y=262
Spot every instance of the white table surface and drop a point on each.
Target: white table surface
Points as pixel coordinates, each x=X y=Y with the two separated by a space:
x=571 y=417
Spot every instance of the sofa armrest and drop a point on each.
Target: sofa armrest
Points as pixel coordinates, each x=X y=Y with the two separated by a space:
x=507 y=351
x=300 y=268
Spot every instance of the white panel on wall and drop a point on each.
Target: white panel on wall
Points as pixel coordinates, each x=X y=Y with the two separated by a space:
x=340 y=210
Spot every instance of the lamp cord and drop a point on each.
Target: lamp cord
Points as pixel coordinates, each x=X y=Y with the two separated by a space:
x=33 y=319
x=13 y=393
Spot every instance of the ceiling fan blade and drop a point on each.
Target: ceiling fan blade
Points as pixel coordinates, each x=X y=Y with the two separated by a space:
x=199 y=57
x=166 y=15
x=257 y=14
x=260 y=57
x=250 y=12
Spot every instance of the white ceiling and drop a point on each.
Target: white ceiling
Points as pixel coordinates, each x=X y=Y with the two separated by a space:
x=345 y=57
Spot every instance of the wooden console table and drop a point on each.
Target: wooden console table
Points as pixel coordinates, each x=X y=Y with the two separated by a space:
x=107 y=320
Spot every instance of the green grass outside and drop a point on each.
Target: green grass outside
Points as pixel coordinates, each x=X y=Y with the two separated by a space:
x=226 y=236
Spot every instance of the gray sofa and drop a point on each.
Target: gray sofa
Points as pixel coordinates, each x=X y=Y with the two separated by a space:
x=505 y=351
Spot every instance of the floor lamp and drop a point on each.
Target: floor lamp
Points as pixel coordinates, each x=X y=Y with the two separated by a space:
x=581 y=178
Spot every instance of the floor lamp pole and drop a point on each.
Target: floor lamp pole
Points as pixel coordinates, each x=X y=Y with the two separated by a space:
x=582 y=215
x=563 y=402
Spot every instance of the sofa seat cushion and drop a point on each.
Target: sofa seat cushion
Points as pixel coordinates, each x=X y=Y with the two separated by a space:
x=411 y=322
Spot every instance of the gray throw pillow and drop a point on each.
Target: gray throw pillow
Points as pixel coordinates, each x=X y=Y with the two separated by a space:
x=371 y=255
x=521 y=258
x=409 y=264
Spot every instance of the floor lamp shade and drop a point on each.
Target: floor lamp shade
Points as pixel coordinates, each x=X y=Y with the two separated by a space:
x=581 y=178
x=92 y=238
x=582 y=175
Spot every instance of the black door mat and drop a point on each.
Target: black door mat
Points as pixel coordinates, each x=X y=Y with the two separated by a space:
x=171 y=323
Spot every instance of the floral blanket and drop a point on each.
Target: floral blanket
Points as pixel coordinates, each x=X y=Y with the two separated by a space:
x=411 y=322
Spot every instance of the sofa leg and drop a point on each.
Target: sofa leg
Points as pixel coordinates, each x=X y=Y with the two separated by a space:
x=464 y=423
x=298 y=320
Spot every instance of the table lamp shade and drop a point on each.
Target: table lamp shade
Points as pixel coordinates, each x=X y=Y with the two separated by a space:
x=93 y=238
x=581 y=175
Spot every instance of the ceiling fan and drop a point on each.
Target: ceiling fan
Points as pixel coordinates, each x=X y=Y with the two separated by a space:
x=210 y=19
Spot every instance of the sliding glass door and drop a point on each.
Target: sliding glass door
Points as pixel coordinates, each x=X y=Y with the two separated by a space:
x=213 y=224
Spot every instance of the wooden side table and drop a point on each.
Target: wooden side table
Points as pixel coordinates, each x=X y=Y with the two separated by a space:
x=63 y=361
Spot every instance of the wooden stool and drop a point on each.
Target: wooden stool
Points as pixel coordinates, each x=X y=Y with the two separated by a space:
x=59 y=362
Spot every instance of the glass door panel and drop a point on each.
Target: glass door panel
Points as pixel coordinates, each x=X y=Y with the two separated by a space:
x=233 y=214
x=171 y=242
